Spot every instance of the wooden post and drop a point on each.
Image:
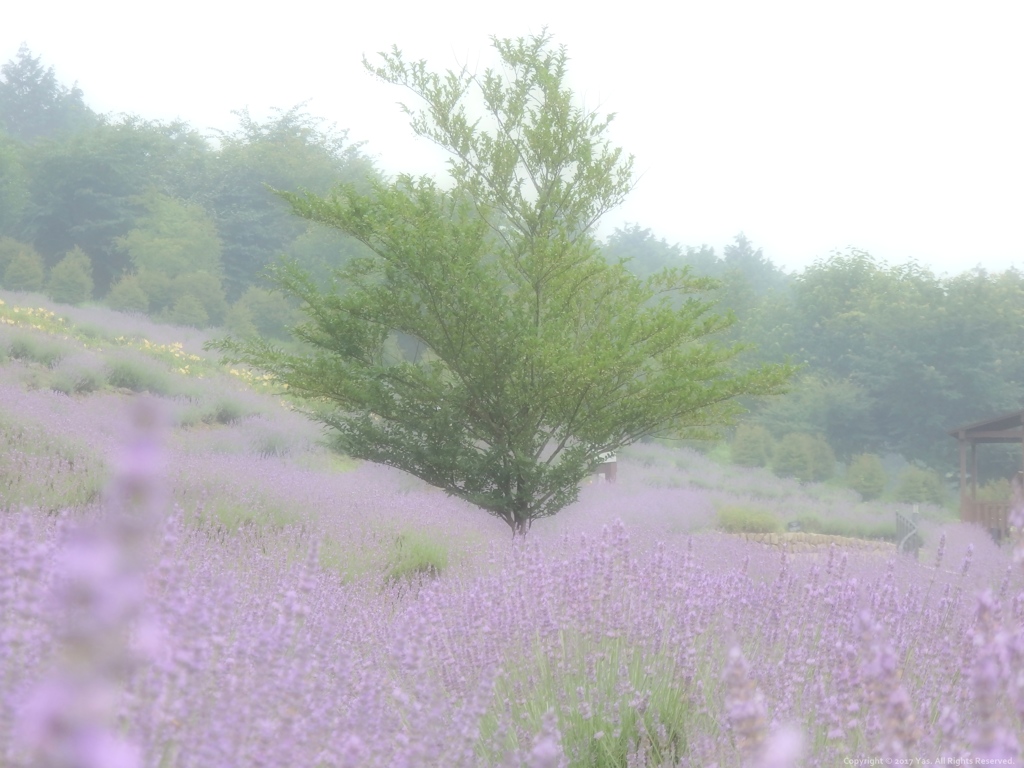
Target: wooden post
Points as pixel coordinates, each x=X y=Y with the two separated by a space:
x=974 y=471
x=963 y=475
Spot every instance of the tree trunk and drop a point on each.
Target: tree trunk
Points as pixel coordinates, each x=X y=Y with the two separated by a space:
x=519 y=525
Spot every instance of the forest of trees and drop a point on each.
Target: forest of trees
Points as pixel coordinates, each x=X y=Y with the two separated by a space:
x=158 y=218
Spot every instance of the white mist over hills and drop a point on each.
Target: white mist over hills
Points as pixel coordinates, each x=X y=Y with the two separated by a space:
x=888 y=127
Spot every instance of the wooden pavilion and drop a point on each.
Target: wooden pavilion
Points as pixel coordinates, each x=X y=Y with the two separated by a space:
x=992 y=515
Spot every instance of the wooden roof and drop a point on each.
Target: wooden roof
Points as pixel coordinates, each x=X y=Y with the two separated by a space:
x=1008 y=428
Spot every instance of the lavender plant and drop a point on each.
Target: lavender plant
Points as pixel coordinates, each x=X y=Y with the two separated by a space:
x=138 y=628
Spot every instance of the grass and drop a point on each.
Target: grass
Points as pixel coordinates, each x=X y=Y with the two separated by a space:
x=854 y=529
x=137 y=376
x=44 y=471
x=414 y=554
x=30 y=348
x=82 y=382
x=610 y=697
x=740 y=519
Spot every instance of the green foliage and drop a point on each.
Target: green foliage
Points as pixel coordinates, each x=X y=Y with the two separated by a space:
x=808 y=458
x=34 y=105
x=24 y=272
x=71 y=278
x=173 y=238
x=414 y=554
x=590 y=683
x=998 y=489
x=81 y=382
x=66 y=475
x=137 y=375
x=837 y=409
x=917 y=484
x=866 y=476
x=883 y=530
x=225 y=411
x=188 y=310
x=239 y=322
x=128 y=295
x=538 y=355
x=13 y=188
x=268 y=313
x=30 y=347
x=752 y=446
x=11 y=249
x=739 y=519
x=205 y=288
x=291 y=150
x=159 y=289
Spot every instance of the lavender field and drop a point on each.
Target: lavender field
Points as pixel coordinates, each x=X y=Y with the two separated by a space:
x=190 y=577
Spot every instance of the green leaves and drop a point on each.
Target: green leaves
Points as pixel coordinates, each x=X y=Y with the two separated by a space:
x=530 y=355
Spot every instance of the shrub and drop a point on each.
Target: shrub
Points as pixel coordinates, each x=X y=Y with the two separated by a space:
x=77 y=382
x=415 y=554
x=921 y=485
x=137 y=375
x=736 y=519
x=24 y=272
x=159 y=288
x=751 y=446
x=10 y=248
x=206 y=290
x=188 y=310
x=867 y=476
x=31 y=349
x=225 y=412
x=71 y=278
x=269 y=443
x=808 y=458
x=128 y=295
x=995 y=490
x=239 y=322
x=269 y=312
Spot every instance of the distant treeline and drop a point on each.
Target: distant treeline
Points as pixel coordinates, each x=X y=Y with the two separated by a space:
x=158 y=218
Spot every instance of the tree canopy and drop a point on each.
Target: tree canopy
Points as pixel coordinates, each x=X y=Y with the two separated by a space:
x=534 y=355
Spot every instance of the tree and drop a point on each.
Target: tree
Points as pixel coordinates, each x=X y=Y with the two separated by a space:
x=13 y=187
x=538 y=355
x=71 y=278
x=808 y=458
x=752 y=446
x=172 y=237
x=24 y=271
x=292 y=150
x=34 y=105
x=128 y=295
x=866 y=476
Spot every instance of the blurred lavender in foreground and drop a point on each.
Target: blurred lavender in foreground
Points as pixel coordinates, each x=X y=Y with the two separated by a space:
x=70 y=720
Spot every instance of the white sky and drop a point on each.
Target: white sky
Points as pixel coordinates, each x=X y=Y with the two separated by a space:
x=896 y=126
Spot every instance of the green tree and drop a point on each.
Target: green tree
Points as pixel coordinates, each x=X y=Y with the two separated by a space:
x=808 y=458
x=204 y=288
x=172 y=237
x=71 y=278
x=866 y=476
x=270 y=313
x=751 y=446
x=291 y=150
x=542 y=355
x=13 y=187
x=24 y=271
x=90 y=189
x=128 y=295
x=34 y=105
x=188 y=310
x=917 y=484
